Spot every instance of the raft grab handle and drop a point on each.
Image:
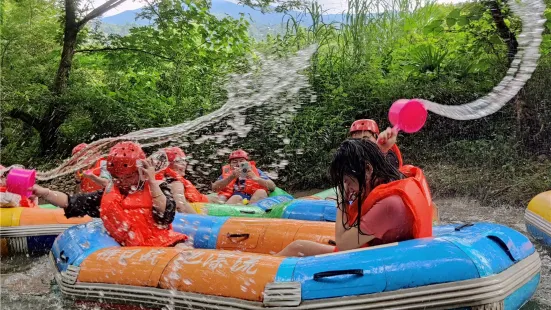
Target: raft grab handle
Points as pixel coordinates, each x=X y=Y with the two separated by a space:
x=333 y=273
x=458 y=228
x=246 y=236
x=62 y=257
x=246 y=212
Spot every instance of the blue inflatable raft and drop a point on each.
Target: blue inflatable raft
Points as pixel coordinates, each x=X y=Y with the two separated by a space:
x=474 y=266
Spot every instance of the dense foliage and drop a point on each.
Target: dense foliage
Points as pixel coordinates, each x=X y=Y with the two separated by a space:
x=173 y=70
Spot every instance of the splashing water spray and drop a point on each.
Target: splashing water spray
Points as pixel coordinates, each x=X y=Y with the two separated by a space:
x=275 y=88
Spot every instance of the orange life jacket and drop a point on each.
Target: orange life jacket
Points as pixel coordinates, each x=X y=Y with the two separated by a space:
x=129 y=220
x=190 y=191
x=250 y=185
x=87 y=185
x=23 y=202
x=396 y=151
x=414 y=192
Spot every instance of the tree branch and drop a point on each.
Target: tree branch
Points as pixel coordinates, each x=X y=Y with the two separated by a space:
x=26 y=118
x=152 y=7
x=99 y=11
x=115 y=49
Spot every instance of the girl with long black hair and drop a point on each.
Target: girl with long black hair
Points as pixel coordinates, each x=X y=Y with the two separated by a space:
x=377 y=204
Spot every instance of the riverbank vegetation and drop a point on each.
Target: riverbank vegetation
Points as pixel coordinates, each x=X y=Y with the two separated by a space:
x=65 y=82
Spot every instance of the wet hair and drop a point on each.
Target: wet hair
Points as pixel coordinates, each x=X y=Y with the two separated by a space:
x=352 y=159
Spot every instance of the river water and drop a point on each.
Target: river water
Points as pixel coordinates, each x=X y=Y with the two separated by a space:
x=27 y=282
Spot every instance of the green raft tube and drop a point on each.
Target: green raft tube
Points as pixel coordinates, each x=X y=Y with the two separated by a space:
x=279 y=204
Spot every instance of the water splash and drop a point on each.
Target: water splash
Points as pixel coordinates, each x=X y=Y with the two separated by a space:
x=520 y=70
x=270 y=91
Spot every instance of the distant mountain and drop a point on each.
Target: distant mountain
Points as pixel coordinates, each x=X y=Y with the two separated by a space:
x=261 y=23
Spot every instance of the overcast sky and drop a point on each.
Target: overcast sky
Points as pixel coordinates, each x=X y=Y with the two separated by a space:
x=333 y=6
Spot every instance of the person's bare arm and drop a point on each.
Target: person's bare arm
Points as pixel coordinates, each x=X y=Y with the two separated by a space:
x=157 y=195
x=56 y=198
x=221 y=184
x=348 y=239
x=99 y=181
x=76 y=205
x=182 y=205
x=266 y=183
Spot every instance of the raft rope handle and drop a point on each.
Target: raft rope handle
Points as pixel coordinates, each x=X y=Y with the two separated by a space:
x=333 y=273
x=246 y=212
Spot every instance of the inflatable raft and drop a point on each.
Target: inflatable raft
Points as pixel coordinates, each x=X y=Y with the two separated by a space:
x=477 y=266
x=538 y=217
x=32 y=230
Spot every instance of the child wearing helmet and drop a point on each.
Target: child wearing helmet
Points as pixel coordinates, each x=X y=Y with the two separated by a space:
x=135 y=211
x=242 y=180
x=93 y=179
x=386 y=140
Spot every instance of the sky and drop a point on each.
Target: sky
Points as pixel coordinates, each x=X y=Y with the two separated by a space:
x=332 y=6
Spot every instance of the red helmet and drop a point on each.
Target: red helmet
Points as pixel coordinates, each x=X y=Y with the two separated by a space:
x=239 y=154
x=173 y=153
x=78 y=148
x=364 y=125
x=122 y=158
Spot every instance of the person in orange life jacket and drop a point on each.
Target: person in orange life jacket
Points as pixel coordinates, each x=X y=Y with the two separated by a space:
x=368 y=129
x=184 y=191
x=134 y=211
x=380 y=204
x=8 y=199
x=386 y=140
x=89 y=180
x=232 y=186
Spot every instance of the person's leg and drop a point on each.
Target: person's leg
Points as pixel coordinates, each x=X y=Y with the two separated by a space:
x=258 y=195
x=235 y=200
x=302 y=248
x=213 y=199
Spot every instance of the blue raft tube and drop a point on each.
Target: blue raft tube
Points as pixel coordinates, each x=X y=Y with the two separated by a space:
x=472 y=266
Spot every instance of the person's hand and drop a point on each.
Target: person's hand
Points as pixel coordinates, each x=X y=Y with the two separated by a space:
x=251 y=175
x=148 y=169
x=387 y=139
x=38 y=192
x=87 y=173
x=236 y=172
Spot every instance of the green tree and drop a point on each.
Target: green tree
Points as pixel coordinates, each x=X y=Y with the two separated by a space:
x=53 y=114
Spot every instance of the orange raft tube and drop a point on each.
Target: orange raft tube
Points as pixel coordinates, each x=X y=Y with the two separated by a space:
x=33 y=230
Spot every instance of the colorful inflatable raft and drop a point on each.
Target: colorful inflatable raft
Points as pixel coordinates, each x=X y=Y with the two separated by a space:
x=32 y=230
x=477 y=266
x=538 y=217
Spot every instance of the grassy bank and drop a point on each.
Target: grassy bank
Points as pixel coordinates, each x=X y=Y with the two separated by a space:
x=491 y=186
